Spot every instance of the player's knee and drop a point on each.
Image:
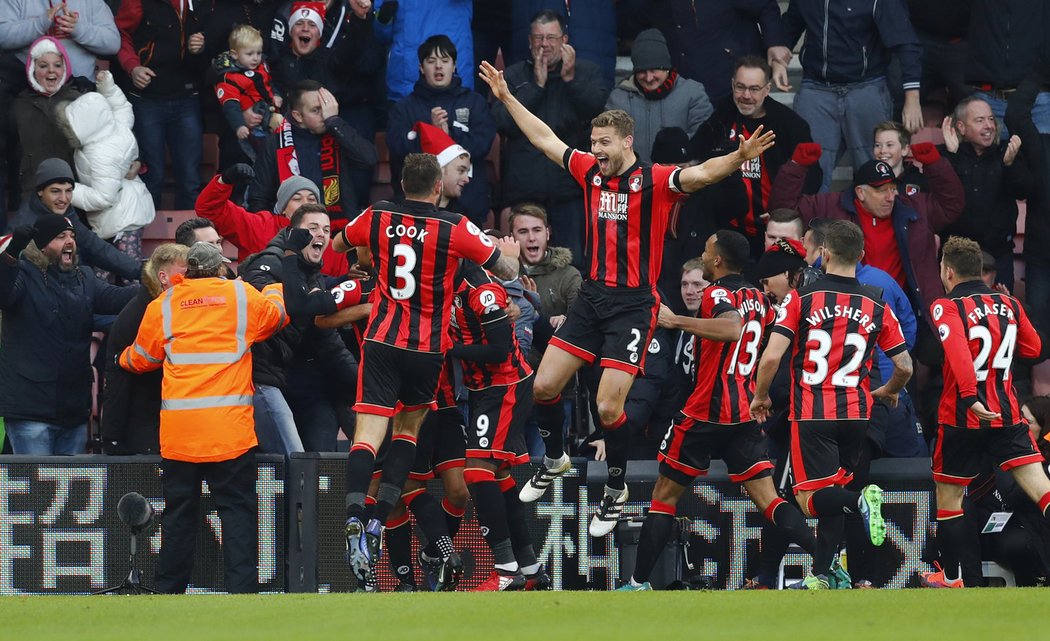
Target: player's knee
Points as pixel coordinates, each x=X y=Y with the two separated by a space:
x=543 y=388
x=458 y=495
x=803 y=502
x=609 y=411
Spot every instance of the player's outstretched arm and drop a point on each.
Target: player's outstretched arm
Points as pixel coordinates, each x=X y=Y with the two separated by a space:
x=767 y=369
x=726 y=327
x=539 y=134
x=902 y=369
x=715 y=169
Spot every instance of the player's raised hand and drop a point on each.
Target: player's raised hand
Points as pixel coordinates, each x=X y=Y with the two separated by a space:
x=881 y=394
x=757 y=144
x=760 y=408
x=982 y=412
x=508 y=247
x=494 y=79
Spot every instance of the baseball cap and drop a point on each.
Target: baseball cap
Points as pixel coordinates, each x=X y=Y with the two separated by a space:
x=874 y=173
x=204 y=257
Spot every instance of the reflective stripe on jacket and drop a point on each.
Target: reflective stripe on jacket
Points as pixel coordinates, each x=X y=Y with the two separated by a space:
x=201 y=332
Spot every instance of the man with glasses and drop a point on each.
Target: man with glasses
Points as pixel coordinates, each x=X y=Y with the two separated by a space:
x=564 y=92
x=743 y=198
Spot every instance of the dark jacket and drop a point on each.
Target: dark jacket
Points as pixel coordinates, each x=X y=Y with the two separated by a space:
x=33 y=118
x=94 y=252
x=1036 y=149
x=567 y=109
x=131 y=401
x=916 y=220
x=1007 y=37
x=470 y=124
x=590 y=24
x=706 y=38
x=853 y=41
x=153 y=35
x=353 y=57
x=45 y=339
x=720 y=136
x=943 y=19
x=355 y=152
x=992 y=192
x=301 y=340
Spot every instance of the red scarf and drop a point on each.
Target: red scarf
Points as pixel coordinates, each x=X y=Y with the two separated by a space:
x=288 y=166
x=662 y=91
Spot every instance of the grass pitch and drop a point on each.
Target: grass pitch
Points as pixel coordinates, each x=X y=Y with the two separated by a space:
x=579 y=616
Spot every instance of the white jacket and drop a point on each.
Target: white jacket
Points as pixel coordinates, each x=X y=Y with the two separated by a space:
x=105 y=148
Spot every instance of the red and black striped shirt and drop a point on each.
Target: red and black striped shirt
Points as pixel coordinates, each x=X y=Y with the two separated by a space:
x=627 y=217
x=835 y=324
x=725 y=372
x=757 y=181
x=415 y=248
x=981 y=331
x=481 y=301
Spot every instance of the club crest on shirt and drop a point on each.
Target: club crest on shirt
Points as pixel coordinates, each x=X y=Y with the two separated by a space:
x=732 y=133
x=249 y=73
x=910 y=189
x=463 y=114
x=636 y=183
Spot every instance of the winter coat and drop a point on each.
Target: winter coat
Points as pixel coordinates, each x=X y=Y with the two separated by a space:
x=45 y=338
x=94 y=36
x=528 y=175
x=355 y=153
x=686 y=106
x=100 y=125
x=916 y=220
x=1006 y=40
x=414 y=22
x=1036 y=148
x=591 y=26
x=131 y=401
x=992 y=192
x=154 y=35
x=853 y=41
x=557 y=281
x=301 y=340
x=470 y=124
x=35 y=119
x=94 y=252
x=251 y=231
x=335 y=67
x=707 y=38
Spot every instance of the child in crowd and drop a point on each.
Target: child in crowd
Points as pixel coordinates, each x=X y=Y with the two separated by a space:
x=244 y=90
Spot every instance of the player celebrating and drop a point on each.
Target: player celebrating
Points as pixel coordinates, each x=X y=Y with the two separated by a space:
x=613 y=318
x=716 y=419
x=413 y=247
x=833 y=326
x=979 y=415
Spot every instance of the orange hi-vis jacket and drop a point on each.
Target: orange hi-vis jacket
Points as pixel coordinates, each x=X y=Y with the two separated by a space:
x=201 y=331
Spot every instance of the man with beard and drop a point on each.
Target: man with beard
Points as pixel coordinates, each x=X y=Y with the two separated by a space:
x=48 y=302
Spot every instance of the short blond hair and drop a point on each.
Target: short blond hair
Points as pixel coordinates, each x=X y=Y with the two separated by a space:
x=164 y=256
x=618 y=119
x=244 y=36
x=528 y=209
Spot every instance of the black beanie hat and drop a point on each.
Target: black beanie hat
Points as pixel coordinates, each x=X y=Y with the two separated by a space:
x=782 y=256
x=49 y=226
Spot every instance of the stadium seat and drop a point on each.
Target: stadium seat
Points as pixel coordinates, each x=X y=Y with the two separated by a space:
x=997 y=575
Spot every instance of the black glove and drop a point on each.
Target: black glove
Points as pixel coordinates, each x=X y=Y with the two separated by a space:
x=239 y=173
x=298 y=239
x=386 y=13
x=20 y=238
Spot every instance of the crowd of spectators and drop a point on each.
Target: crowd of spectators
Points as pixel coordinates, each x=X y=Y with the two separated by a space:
x=912 y=118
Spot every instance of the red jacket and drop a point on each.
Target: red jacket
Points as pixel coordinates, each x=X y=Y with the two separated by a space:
x=916 y=220
x=250 y=231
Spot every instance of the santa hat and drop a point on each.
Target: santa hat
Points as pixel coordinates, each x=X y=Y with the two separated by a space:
x=312 y=11
x=435 y=141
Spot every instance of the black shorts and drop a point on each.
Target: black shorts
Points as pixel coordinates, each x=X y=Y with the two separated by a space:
x=392 y=380
x=609 y=325
x=689 y=446
x=825 y=453
x=440 y=446
x=497 y=418
x=960 y=454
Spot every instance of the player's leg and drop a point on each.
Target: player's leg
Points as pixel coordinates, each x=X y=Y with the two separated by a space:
x=431 y=521
x=787 y=519
x=556 y=369
x=1016 y=452
x=398 y=547
x=958 y=456
x=1035 y=484
x=611 y=399
x=657 y=528
x=536 y=577
x=491 y=508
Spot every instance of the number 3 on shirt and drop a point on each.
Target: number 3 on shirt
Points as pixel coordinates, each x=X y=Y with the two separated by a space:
x=845 y=376
x=404 y=263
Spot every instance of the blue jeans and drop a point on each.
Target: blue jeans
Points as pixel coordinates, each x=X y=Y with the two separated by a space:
x=1040 y=111
x=35 y=438
x=174 y=125
x=842 y=118
x=274 y=424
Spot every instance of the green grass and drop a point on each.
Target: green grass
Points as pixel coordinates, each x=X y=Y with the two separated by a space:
x=580 y=616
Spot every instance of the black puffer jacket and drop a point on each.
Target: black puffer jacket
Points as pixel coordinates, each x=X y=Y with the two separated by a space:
x=302 y=340
x=132 y=401
x=45 y=340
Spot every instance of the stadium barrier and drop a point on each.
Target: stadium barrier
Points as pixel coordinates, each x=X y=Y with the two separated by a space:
x=60 y=534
